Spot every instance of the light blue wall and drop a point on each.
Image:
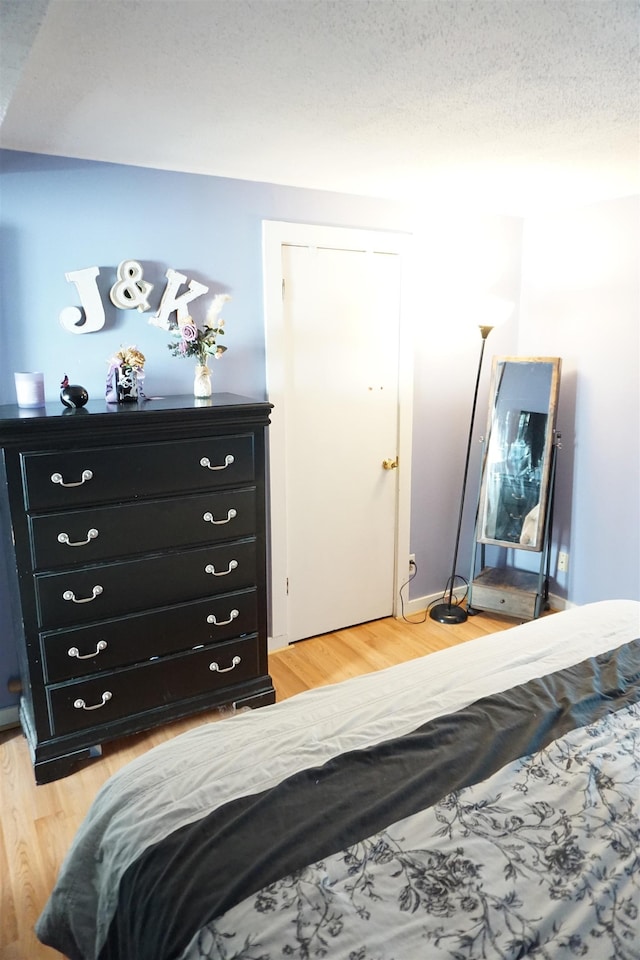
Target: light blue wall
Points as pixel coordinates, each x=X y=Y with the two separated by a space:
x=460 y=256
x=581 y=301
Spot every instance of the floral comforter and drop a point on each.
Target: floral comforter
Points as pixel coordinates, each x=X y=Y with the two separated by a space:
x=542 y=859
x=506 y=828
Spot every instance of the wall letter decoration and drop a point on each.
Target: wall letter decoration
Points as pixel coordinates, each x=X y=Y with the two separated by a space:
x=72 y=318
x=130 y=290
x=171 y=302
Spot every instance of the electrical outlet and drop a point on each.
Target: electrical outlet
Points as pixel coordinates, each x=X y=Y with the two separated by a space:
x=563 y=562
x=412 y=561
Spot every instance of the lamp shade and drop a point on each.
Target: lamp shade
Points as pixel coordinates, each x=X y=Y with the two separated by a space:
x=493 y=311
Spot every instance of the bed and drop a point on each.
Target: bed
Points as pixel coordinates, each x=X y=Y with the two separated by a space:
x=480 y=802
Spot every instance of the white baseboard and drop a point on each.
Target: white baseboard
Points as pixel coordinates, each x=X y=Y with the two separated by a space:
x=560 y=603
x=420 y=604
x=9 y=717
x=276 y=643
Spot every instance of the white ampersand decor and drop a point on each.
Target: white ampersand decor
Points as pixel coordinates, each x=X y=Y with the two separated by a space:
x=171 y=301
x=72 y=318
x=130 y=290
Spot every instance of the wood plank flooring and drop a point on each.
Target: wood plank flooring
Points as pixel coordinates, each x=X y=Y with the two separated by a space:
x=38 y=823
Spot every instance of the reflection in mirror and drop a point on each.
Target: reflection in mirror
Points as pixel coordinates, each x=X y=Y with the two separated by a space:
x=515 y=477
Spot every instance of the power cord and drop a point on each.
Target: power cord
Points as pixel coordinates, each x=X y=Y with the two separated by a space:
x=413 y=566
x=455 y=600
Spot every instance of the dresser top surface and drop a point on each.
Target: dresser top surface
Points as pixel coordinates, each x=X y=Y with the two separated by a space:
x=18 y=423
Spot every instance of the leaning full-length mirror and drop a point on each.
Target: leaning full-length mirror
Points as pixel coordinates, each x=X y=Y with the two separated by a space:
x=516 y=470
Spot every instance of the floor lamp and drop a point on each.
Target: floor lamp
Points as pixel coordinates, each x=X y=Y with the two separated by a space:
x=450 y=612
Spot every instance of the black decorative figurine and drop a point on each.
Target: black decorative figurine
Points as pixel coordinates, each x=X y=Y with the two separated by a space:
x=72 y=395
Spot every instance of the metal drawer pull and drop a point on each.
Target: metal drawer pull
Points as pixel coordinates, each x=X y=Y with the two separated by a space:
x=222 y=623
x=81 y=705
x=91 y=535
x=228 y=460
x=70 y=595
x=208 y=517
x=57 y=478
x=218 y=669
x=74 y=652
x=221 y=573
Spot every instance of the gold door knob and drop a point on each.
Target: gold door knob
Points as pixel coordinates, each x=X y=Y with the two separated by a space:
x=389 y=464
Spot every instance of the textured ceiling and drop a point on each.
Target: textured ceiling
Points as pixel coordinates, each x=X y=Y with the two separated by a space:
x=508 y=105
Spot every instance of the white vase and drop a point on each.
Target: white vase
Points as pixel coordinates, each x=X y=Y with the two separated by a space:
x=202 y=381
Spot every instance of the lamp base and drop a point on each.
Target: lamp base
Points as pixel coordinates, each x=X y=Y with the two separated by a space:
x=448 y=613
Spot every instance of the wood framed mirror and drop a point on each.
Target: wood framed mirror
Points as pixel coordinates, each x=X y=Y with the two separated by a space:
x=514 y=491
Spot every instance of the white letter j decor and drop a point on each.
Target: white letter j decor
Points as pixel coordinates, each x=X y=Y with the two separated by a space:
x=72 y=318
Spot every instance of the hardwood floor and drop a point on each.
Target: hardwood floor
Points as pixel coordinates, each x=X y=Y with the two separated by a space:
x=38 y=823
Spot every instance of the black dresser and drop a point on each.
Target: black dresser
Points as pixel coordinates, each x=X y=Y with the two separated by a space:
x=135 y=543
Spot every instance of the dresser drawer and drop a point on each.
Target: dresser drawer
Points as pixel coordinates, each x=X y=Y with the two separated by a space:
x=96 y=701
x=73 y=478
x=110 y=590
x=97 y=647
x=80 y=537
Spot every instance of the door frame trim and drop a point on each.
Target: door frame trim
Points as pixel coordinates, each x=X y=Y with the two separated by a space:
x=275 y=233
